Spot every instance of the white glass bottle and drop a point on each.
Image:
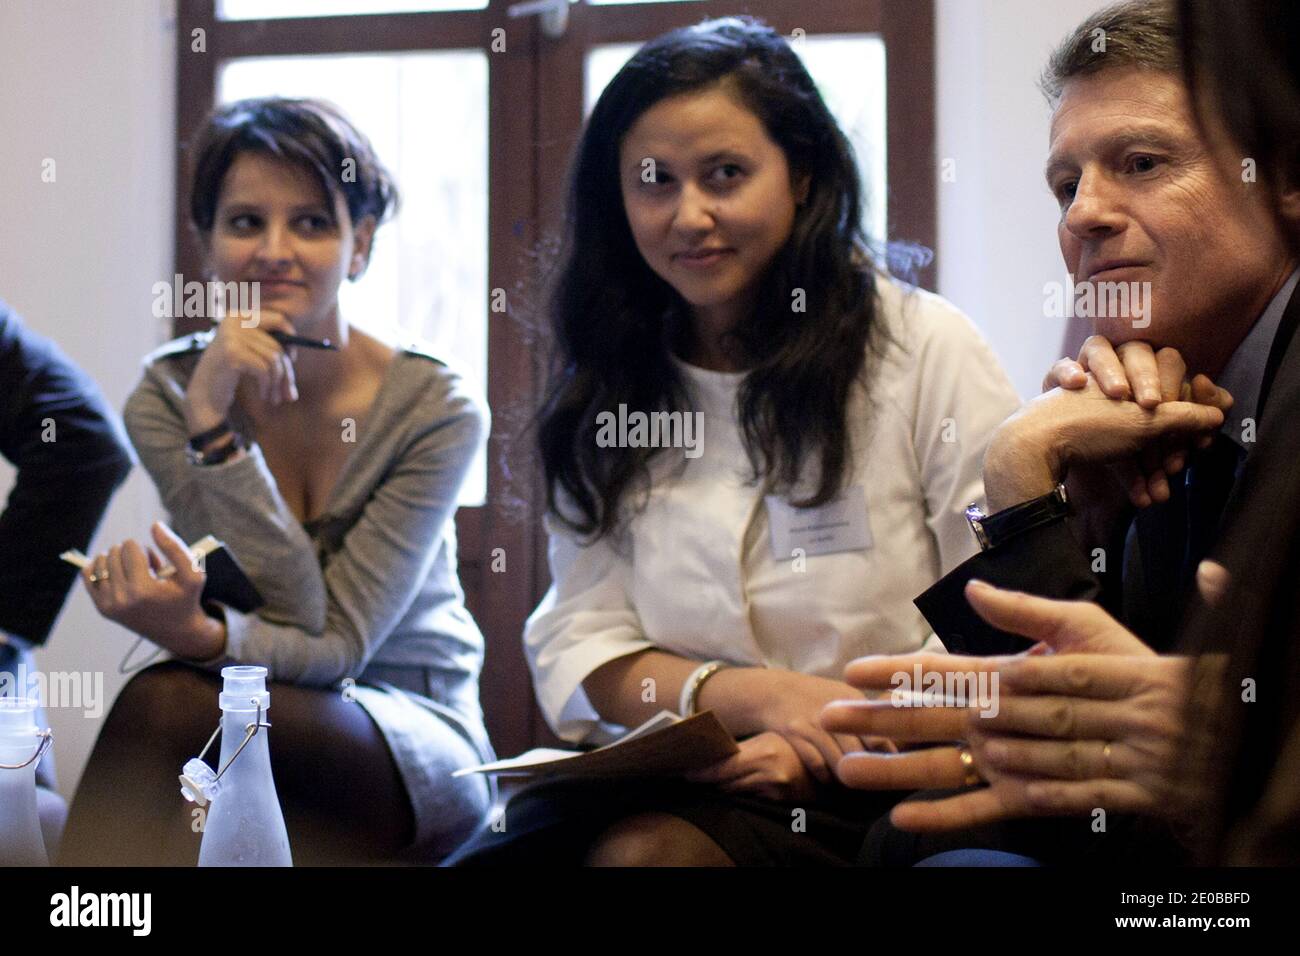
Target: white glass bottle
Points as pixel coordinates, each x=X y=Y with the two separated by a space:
x=244 y=826
x=21 y=843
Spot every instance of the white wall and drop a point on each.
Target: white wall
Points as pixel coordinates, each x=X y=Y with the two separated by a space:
x=89 y=84
x=997 y=221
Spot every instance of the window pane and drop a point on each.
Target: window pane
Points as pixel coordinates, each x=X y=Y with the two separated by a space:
x=850 y=73
x=428 y=272
x=603 y=61
x=279 y=9
x=849 y=70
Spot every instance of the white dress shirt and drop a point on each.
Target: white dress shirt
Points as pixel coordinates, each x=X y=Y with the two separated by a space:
x=695 y=573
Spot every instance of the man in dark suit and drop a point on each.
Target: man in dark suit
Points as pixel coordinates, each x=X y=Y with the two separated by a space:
x=60 y=435
x=1147 y=196
x=1144 y=203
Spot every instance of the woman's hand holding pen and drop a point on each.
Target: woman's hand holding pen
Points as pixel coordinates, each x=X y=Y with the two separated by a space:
x=243 y=347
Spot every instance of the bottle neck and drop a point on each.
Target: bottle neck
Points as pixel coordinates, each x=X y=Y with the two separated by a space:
x=10 y=777
x=16 y=749
x=255 y=759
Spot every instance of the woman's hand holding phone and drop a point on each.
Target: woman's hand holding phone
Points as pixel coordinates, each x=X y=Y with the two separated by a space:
x=128 y=585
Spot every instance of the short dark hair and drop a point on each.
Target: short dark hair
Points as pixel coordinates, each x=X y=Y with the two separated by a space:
x=309 y=133
x=1141 y=33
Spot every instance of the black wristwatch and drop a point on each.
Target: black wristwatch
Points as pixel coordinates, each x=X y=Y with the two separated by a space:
x=218 y=455
x=202 y=439
x=992 y=530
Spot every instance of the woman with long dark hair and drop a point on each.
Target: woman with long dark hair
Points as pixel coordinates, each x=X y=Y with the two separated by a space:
x=757 y=449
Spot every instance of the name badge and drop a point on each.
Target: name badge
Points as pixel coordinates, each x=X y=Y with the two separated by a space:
x=838 y=525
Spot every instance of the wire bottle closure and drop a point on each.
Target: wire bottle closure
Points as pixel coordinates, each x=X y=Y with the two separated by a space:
x=198 y=783
x=47 y=740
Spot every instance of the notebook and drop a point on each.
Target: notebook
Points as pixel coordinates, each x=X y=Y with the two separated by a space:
x=666 y=745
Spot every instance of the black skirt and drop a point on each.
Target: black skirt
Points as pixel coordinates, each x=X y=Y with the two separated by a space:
x=556 y=823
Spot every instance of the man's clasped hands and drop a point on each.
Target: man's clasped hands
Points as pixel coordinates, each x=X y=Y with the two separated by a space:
x=1089 y=717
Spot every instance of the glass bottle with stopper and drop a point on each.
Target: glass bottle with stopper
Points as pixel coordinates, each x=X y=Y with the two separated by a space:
x=22 y=744
x=244 y=824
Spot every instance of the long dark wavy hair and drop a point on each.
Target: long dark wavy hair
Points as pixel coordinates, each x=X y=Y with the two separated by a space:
x=615 y=322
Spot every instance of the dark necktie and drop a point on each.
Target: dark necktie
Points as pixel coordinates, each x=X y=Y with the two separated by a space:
x=1210 y=475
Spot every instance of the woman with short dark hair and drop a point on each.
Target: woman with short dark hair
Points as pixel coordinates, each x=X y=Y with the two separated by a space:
x=332 y=475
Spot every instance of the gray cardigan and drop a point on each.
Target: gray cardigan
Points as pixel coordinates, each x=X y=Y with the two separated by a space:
x=373 y=579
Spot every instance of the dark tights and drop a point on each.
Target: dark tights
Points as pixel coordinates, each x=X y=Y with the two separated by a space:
x=340 y=790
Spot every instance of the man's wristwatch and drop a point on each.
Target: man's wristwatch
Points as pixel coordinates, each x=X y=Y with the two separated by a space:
x=992 y=530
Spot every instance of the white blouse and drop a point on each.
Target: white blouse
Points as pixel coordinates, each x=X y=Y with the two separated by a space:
x=695 y=574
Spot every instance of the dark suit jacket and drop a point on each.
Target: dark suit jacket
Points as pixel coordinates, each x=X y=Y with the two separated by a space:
x=63 y=484
x=1243 y=769
x=1145 y=588
x=1241 y=773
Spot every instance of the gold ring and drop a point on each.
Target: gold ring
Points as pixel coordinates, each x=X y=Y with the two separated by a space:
x=94 y=578
x=968 y=764
x=1105 y=760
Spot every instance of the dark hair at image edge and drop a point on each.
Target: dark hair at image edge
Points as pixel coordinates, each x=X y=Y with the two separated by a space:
x=311 y=134
x=613 y=339
x=1245 y=68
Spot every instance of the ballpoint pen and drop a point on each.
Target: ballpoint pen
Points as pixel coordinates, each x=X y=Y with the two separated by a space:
x=286 y=339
